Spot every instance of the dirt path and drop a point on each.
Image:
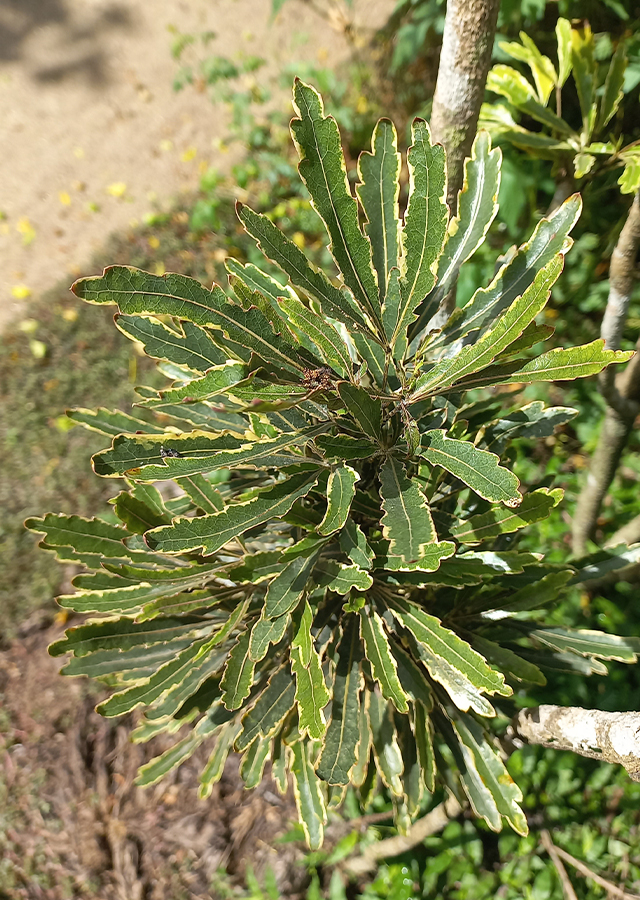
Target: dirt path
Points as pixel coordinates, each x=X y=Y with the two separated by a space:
x=93 y=134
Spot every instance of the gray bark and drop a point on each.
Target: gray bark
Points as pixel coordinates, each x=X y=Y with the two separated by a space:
x=622 y=394
x=612 y=737
x=467 y=42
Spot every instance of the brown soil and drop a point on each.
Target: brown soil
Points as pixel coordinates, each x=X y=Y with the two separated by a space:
x=74 y=823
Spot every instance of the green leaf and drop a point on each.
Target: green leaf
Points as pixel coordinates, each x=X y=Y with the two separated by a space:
x=303 y=639
x=323 y=170
x=341 y=489
x=311 y=693
x=253 y=762
x=286 y=589
x=584 y=73
x=203 y=494
x=212 y=772
x=588 y=643
x=345 y=447
x=534 y=507
x=331 y=347
x=355 y=545
x=168 y=675
x=136 y=515
x=266 y=632
x=123 y=634
x=479 y=469
x=582 y=164
x=339 y=752
x=385 y=743
x=308 y=796
x=477 y=208
x=217 y=380
x=201 y=669
x=214 y=531
x=407 y=522
x=412 y=678
x=425 y=223
x=629 y=181
x=191 y=346
x=269 y=711
x=139 y=292
x=440 y=641
x=505 y=330
x=413 y=786
x=379 y=172
x=365 y=409
x=363 y=749
x=563 y=35
x=238 y=674
x=87 y=536
x=340 y=578
x=379 y=654
x=507 y=661
x=111 y=422
x=273 y=243
x=423 y=730
x=492 y=771
x=514 y=277
x=542 y=68
x=509 y=83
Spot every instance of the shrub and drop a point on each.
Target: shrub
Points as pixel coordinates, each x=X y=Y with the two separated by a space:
x=332 y=581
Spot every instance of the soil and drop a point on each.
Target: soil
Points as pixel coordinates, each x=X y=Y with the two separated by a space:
x=94 y=136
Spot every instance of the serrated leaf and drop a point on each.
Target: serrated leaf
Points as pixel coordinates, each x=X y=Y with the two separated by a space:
x=303 y=639
x=311 y=693
x=136 y=515
x=212 y=772
x=500 y=335
x=385 y=743
x=365 y=409
x=363 y=748
x=139 y=661
x=323 y=170
x=341 y=578
x=412 y=677
x=345 y=447
x=332 y=349
x=504 y=791
x=111 y=422
x=253 y=762
x=307 y=793
x=203 y=494
x=510 y=663
x=355 y=545
x=440 y=641
x=514 y=277
x=477 y=208
x=269 y=711
x=407 y=522
x=238 y=674
x=217 y=380
x=286 y=589
x=479 y=469
x=425 y=223
x=378 y=193
x=587 y=643
x=266 y=632
x=86 y=536
x=339 y=752
x=534 y=507
x=214 y=531
x=191 y=346
x=381 y=658
x=273 y=243
x=341 y=489
x=136 y=291
x=123 y=634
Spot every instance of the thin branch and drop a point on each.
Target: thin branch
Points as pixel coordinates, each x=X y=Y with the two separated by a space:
x=612 y=737
x=430 y=824
x=628 y=534
x=550 y=847
x=622 y=394
x=612 y=889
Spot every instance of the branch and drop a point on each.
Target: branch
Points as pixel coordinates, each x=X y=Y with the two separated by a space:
x=628 y=534
x=552 y=850
x=612 y=737
x=467 y=42
x=430 y=824
x=622 y=394
x=611 y=889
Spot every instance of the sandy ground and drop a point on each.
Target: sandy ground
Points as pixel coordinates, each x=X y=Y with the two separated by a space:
x=94 y=135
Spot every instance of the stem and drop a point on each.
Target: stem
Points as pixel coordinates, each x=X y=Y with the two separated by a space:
x=622 y=394
x=550 y=847
x=467 y=42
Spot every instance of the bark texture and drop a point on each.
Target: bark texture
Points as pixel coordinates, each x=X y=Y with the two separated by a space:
x=467 y=42
x=612 y=737
x=622 y=393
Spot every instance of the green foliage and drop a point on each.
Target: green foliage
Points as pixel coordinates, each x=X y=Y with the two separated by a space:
x=583 y=150
x=329 y=576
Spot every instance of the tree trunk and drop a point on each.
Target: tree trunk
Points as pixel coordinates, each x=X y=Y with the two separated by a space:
x=467 y=42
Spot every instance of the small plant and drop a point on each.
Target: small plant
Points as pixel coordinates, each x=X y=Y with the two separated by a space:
x=332 y=581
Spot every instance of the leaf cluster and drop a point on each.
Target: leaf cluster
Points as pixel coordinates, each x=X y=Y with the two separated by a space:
x=330 y=582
